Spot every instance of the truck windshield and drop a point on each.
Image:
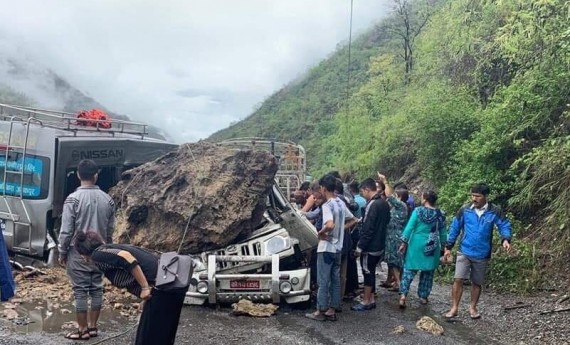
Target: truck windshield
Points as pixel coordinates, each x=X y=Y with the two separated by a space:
x=36 y=175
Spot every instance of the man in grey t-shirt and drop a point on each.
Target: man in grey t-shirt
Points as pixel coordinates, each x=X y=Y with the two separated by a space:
x=86 y=209
x=335 y=217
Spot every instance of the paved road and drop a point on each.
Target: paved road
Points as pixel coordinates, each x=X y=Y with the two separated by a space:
x=214 y=326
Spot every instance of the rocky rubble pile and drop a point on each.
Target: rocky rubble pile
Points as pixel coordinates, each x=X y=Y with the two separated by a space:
x=215 y=192
x=51 y=289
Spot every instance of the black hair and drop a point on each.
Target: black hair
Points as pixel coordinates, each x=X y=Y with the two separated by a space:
x=87 y=169
x=339 y=187
x=315 y=186
x=368 y=184
x=87 y=242
x=402 y=194
x=430 y=196
x=335 y=174
x=305 y=185
x=328 y=182
x=481 y=188
x=353 y=186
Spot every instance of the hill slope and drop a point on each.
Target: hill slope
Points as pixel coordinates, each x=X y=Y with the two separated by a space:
x=479 y=94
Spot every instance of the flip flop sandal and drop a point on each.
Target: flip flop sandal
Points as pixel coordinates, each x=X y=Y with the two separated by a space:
x=450 y=315
x=78 y=335
x=475 y=316
x=424 y=301
x=93 y=332
x=394 y=289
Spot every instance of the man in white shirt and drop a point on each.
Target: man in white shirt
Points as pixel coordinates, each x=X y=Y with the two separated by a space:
x=335 y=217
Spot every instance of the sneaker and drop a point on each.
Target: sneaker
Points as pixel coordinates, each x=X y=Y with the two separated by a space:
x=363 y=307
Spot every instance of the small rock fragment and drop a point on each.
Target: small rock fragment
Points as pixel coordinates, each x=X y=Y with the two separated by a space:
x=428 y=324
x=399 y=330
x=247 y=307
x=10 y=314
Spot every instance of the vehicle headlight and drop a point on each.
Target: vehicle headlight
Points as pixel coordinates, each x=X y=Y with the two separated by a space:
x=202 y=287
x=285 y=287
x=277 y=244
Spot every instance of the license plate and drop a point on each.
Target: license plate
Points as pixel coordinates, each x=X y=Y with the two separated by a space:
x=244 y=284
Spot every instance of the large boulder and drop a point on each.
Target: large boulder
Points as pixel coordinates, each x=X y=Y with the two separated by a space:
x=215 y=192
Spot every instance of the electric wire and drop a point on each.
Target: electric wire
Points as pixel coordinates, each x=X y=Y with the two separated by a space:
x=349 y=59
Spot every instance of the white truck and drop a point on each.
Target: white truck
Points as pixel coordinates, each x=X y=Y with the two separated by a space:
x=273 y=264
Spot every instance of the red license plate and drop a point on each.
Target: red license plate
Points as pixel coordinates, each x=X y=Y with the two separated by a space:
x=244 y=284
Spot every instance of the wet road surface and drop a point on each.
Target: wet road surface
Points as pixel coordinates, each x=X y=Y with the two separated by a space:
x=209 y=326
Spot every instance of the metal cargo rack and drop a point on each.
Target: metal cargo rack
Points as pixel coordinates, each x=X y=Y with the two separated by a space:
x=291 y=159
x=68 y=121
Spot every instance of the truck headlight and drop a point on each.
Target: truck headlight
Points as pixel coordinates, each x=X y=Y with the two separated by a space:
x=277 y=244
x=202 y=287
x=285 y=287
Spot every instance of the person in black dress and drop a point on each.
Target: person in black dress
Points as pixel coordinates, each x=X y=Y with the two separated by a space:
x=134 y=268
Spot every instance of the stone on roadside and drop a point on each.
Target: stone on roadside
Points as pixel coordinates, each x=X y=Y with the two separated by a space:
x=399 y=330
x=247 y=307
x=428 y=324
x=10 y=314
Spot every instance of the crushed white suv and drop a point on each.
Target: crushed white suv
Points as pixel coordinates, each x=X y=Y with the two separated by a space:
x=271 y=265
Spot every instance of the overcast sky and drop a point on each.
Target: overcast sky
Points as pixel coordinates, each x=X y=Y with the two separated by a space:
x=190 y=67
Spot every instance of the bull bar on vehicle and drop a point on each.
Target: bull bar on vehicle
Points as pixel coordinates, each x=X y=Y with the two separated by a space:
x=293 y=286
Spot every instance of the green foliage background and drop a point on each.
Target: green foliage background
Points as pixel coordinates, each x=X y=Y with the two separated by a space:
x=488 y=100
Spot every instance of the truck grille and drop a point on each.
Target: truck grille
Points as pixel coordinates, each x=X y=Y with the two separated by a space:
x=243 y=250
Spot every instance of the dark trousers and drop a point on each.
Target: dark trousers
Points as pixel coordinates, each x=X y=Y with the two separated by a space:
x=159 y=320
x=351 y=276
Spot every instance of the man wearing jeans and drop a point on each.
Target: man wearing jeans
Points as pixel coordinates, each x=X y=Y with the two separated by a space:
x=329 y=251
x=476 y=222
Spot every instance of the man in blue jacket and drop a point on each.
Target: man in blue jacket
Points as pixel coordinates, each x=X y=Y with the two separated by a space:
x=475 y=223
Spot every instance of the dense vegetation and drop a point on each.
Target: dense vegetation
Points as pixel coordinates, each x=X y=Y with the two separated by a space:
x=474 y=90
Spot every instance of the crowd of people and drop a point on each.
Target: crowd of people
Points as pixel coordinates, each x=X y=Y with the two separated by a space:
x=371 y=222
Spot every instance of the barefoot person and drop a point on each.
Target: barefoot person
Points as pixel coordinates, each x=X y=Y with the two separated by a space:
x=476 y=221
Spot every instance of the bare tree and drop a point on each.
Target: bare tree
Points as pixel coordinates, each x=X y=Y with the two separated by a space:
x=411 y=16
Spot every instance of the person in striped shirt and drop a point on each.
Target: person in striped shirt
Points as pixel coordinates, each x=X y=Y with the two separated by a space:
x=135 y=269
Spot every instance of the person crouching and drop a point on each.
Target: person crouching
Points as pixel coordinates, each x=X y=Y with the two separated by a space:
x=134 y=268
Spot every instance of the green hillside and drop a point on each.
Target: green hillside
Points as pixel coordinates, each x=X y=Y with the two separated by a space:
x=481 y=92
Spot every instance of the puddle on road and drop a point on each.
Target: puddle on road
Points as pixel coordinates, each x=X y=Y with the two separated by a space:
x=43 y=318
